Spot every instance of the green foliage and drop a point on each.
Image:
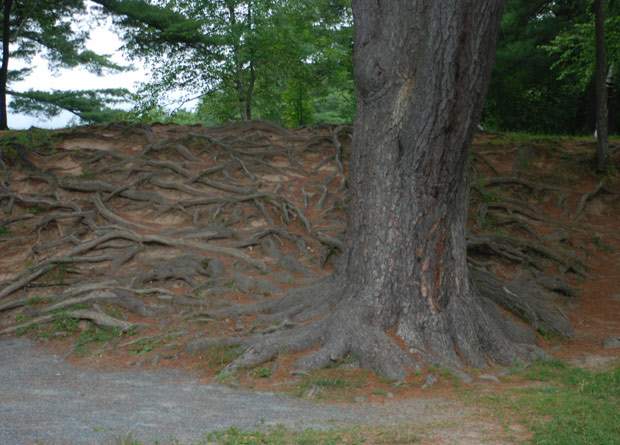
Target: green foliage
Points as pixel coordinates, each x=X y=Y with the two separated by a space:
x=242 y=59
x=66 y=324
x=146 y=345
x=219 y=355
x=32 y=139
x=573 y=49
x=262 y=372
x=96 y=337
x=90 y=106
x=5 y=232
x=573 y=405
x=525 y=92
x=281 y=435
x=334 y=382
x=47 y=27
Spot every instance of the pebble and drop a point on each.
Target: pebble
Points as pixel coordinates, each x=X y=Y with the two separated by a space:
x=489 y=377
x=612 y=342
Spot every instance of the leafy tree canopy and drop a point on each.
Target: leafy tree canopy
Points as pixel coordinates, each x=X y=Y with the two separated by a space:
x=88 y=105
x=49 y=28
x=573 y=48
x=543 y=72
x=275 y=59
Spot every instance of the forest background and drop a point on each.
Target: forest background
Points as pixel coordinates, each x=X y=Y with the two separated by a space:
x=290 y=62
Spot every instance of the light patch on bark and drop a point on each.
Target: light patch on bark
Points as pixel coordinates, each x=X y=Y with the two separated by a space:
x=402 y=103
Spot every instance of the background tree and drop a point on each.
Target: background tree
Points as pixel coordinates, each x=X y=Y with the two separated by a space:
x=527 y=91
x=543 y=77
x=244 y=59
x=36 y=27
x=602 y=144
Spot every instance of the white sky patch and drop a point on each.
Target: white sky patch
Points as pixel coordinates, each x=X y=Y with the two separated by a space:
x=103 y=40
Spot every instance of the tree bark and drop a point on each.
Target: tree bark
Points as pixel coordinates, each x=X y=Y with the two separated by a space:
x=422 y=69
x=250 y=89
x=602 y=142
x=4 y=69
x=237 y=57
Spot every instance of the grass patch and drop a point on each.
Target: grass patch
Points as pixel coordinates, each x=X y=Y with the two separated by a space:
x=334 y=382
x=573 y=406
x=262 y=373
x=331 y=384
x=216 y=357
x=281 y=435
x=584 y=406
x=94 y=337
x=144 y=346
x=88 y=174
x=5 y=232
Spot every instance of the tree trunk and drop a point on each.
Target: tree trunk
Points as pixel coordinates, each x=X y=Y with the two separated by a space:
x=237 y=58
x=602 y=145
x=250 y=89
x=421 y=68
x=4 y=69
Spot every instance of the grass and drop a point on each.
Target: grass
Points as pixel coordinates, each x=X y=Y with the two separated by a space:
x=262 y=372
x=568 y=405
x=281 y=435
x=5 y=232
x=216 y=357
x=333 y=385
x=584 y=406
x=94 y=337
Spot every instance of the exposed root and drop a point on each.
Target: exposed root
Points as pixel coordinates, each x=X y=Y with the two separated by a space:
x=343 y=331
x=156 y=220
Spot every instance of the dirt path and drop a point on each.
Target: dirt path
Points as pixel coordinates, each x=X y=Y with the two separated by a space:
x=47 y=400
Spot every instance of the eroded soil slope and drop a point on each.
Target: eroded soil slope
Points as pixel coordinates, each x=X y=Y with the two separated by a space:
x=122 y=242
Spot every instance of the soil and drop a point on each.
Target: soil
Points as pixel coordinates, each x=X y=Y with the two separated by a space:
x=199 y=221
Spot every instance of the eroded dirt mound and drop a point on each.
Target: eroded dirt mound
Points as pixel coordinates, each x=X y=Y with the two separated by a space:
x=133 y=237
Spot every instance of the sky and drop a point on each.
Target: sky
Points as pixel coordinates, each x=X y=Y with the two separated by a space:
x=103 y=40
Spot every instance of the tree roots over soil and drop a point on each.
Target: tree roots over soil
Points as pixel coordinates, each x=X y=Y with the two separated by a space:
x=231 y=235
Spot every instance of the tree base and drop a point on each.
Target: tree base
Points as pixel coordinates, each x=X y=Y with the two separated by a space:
x=328 y=315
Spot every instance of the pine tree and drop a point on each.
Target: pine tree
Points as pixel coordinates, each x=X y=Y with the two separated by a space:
x=33 y=27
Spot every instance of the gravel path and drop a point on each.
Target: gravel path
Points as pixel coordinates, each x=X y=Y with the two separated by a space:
x=45 y=399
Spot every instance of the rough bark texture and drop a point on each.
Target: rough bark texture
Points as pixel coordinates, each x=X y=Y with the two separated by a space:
x=4 y=69
x=602 y=145
x=422 y=69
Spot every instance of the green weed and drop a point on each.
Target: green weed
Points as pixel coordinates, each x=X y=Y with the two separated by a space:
x=5 y=232
x=573 y=406
x=490 y=196
x=281 y=435
x=95 y=337
x=64 y=323
x=88 y=174
x=144 y=346
x=218 y=356
x=262 y=372
x=35 y=210
x=334 y=382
